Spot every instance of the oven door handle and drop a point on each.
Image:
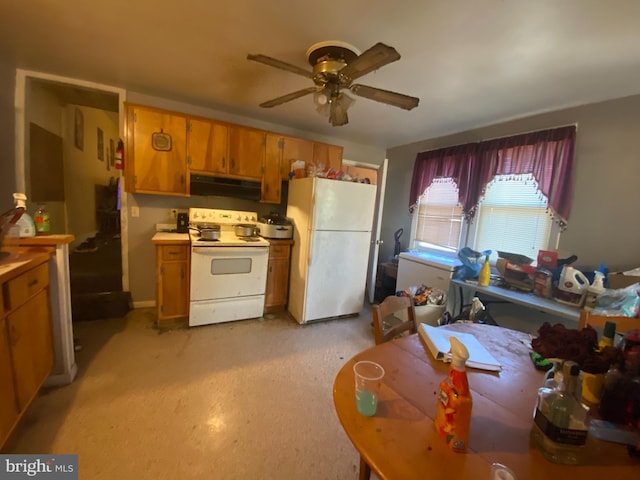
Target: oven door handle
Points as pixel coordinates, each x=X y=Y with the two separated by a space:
x=218 y=250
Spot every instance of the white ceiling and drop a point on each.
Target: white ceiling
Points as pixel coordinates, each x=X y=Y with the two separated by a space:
x=471 y=62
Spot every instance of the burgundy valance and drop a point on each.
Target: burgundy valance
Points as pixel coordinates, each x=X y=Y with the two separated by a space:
x=547 y=155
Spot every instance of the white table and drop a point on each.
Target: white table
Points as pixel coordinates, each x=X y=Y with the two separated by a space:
x=524 y=299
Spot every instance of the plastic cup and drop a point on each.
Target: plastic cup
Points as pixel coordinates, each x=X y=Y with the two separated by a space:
x=367 y=375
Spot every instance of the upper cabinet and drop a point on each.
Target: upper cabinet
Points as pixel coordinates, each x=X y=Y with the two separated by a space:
x=155 y=159
x=246 y=152
x=208 y=146
x=294 y=149
x=163 y=148
x=280 y=152
x=327 y=156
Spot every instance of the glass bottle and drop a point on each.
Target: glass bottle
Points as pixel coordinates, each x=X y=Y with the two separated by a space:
x=42 y=220
x=561 y=422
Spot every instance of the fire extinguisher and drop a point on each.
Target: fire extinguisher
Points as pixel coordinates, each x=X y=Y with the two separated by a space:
x=119 y=164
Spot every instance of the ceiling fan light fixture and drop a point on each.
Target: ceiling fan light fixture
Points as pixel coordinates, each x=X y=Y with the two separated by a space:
x=320 y=98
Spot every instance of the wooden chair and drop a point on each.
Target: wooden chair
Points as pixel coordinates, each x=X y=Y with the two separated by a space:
x=385 y=331
x=623 y=324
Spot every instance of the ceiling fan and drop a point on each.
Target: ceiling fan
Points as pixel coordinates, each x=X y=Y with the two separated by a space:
x=335 y=66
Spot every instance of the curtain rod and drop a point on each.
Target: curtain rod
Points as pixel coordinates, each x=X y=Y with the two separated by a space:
x=530 y=131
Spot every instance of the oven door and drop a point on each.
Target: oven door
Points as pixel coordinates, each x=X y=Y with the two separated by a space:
x=228 y=272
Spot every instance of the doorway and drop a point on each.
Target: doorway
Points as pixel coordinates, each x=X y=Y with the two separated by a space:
x=87 y=118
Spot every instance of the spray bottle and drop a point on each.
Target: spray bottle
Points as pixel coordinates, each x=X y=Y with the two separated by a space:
x=453 y=415
x=595 y=289
x=25 y=222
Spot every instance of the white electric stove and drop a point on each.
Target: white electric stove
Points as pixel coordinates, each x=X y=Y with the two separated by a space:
x=228 y=275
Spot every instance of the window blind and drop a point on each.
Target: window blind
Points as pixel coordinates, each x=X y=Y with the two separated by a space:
x=439 y=219
x=513 y=217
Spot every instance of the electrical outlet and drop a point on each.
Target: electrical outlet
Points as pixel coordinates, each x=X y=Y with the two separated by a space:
x=174 y=213
x=135 y=211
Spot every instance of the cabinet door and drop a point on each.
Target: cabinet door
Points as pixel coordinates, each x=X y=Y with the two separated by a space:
x=8 y=405
x=327 y=156
x=246 y=152
x=277 y=291
x=31 y=343
x=207 y=144
x=156 y=160
x=272 y=178
x=294 y=149
x=173 y=291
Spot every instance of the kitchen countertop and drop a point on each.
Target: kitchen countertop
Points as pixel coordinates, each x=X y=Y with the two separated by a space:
x=55 y=239
x=170 y=237
x=20 y=261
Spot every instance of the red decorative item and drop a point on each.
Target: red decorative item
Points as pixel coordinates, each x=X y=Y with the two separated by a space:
x=119 y=164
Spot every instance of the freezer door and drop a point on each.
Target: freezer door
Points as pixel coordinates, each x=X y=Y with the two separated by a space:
x=337 y=274
x=342 y=205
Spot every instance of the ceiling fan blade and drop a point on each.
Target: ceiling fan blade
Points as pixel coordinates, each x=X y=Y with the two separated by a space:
x=385 y=96
x=272 y=62
x=338 y=113
x=288 y=97
x=377 y=56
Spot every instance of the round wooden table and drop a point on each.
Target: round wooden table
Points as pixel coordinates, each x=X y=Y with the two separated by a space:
x=400 y=441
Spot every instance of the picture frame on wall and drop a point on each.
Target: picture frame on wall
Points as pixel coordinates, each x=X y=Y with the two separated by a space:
x=79 y=129
x=100 y=144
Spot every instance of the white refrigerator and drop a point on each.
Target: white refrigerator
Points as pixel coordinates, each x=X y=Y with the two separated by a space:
x=332 y=236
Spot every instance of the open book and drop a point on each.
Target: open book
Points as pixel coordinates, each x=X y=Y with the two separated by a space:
x=437 y=341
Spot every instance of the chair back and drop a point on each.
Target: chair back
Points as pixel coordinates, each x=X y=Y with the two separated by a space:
x=623 y=324
x=386 y=328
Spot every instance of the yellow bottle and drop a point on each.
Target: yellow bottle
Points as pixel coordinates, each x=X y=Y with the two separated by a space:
x=453 y=415
x=485 y=273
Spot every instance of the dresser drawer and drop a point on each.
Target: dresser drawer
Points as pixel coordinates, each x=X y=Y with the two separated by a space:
x=21 y=288
x=174 y=252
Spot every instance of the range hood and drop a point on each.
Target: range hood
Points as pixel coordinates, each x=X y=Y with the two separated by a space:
x=225 y=187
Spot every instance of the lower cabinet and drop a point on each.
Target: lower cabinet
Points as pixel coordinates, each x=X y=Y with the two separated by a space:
x=8 y=402
x=172 y=284
x=277 y=292
x=26 y=343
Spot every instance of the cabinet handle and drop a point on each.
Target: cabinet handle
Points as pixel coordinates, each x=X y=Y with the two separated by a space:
x=174 y=252
x=32 y=282
x=182 y=273
x=233 y=163
x=224 y=161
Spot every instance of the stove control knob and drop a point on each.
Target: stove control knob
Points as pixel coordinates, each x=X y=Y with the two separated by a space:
x=238 y=217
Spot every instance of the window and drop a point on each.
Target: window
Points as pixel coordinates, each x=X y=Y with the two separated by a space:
x=439 y=217
x=510 y=194
x=513 y=204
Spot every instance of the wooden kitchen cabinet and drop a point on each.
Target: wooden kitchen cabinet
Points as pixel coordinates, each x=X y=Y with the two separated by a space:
x=246 y=152
x=294 y=149
x=277 y=292
x=280 y=152
x=271 y=190
x=327 y=156
x=9 y=412
x=155 y=155
x=26 y=339
x=207 y=146
x=172 y=283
